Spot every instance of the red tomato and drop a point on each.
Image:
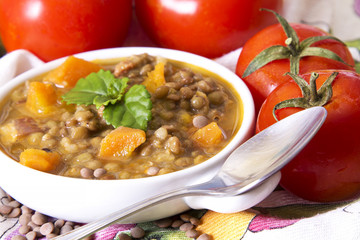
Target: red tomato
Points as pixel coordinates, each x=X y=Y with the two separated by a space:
x=205 y=27
x=328 y=168
x=53 y=29
x=267 y=78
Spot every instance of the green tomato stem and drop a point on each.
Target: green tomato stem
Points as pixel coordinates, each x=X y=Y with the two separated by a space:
x=311 y=97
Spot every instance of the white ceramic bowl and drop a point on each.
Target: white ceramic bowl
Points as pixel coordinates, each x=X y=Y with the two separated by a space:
x=83 y=200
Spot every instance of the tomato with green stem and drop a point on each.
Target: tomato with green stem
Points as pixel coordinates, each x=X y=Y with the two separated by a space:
x=328 y=168
x=284 y=47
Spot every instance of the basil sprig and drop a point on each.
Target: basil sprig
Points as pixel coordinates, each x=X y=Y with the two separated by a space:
x=130 y=108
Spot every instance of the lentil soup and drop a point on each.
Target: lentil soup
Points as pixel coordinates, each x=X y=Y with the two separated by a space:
x=192 y=114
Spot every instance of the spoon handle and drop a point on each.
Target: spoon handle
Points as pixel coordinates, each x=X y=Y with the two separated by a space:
x=95 y=226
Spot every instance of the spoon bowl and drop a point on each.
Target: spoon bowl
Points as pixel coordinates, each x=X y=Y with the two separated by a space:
x=247 y=167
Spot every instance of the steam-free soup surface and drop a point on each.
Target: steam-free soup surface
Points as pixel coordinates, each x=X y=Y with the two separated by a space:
x=193 y=115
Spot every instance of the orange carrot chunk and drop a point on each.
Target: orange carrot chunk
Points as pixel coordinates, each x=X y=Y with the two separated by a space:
x=40 y=160
x=208 y=136
x=121 y=142
x=41 y=99
x=70 y=71
x=155 y=78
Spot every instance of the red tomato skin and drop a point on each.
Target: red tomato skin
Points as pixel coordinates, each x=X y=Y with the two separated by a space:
x=209 y=28
x=263 y=81
x=327 y=169
x=53 y=29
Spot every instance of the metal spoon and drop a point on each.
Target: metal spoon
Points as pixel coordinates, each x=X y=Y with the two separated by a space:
x=248 y=166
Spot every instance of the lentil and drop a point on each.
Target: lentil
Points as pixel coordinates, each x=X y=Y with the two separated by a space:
x=164 y=223
x=39 y=219
x=24 y=229
x=200 y=121
x=161 y=133
x=216 y=97
x=123 y=236
x=59 y=223
x=161 y=91
x=197 y=102
x=66 y=228
x=25 y=218
x=14 y=204
x=152 y=171
x=204 y=86
x=18 y=237
x=186 y=92
x=86 y=173
x=99 y=172
x=192 y=233
x=185 y=217
x=204 y=236
x=194 y=221
x=47 y=228
x=173 y=143
x=186 y=226
x=177 y=223
x=25 y=209
x=14 y=213
x=50 y=229
x=137 y=232
x=5 y=209
x=31 y=235
x=51 y=235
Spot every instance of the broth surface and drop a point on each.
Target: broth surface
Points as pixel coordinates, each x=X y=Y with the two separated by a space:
x=191 y=99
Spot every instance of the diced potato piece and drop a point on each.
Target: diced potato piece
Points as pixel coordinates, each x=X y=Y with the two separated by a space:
x=208 y=136
x=121 y=142
x=41 y=99
x=8 y=133
x=68 y=73
x=40 y=160
x=155 y=78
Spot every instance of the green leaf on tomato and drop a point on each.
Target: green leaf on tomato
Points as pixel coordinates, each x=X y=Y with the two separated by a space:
x=294 y=49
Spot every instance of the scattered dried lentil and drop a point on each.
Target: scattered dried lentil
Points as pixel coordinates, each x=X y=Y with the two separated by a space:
x=14 y=213
x=192 y=233
x=137 y=232
x=34 y=225
x=123 y=236
x=204 y=236
x=163 y=223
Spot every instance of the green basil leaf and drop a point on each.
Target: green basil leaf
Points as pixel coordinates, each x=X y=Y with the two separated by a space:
x=132 y=109
x=135 y=112
x=78 y=97
x=116 y=87
x=114 y=113
x=94 y=83
x=103 y=101
x=99 y=88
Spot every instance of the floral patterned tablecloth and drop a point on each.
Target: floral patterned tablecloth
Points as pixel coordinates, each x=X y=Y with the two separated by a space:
x=281 y=215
